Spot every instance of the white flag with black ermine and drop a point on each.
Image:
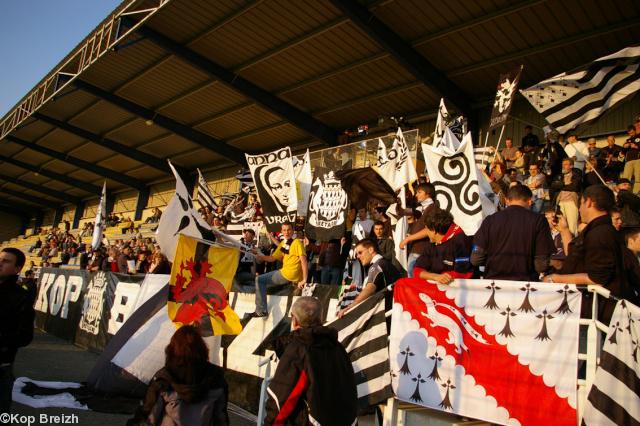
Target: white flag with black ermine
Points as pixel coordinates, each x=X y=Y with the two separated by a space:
x=180 y=217
x=275 y=183
x=585 y=93
x=614 y=398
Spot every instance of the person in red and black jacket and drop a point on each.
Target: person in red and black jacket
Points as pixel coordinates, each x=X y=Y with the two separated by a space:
x=447 y=256
x=314 y=383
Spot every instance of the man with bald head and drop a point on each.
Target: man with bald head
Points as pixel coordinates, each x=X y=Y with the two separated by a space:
x=314 y=382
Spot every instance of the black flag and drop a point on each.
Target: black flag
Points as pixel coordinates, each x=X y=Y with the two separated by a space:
x=507 y=89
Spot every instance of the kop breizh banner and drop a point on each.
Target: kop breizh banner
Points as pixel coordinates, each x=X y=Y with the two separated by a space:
x=327 y=210
x=500 y=351
x=275 y=183
x=507 y=89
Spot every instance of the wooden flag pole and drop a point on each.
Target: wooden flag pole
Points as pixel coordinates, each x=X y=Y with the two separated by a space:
x=484 y=152
x=498 y=145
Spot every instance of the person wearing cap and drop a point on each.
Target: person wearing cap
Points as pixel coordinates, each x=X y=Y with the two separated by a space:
x=627 y=203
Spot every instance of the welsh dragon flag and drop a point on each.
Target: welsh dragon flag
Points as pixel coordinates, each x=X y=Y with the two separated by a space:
x=499 y=351
x=199 y=286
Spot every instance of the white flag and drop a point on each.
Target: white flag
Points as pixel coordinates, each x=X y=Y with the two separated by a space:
x=399 y=233
x=304 y=180
x=101 y=214
x=384 y=166
x=454 y=174
x=180 y=217
x=405 y=172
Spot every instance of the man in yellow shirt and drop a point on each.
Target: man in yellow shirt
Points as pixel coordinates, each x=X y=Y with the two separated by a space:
x=294 y=268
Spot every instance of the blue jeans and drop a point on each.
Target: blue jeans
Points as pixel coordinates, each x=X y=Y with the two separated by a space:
x=263 y=282
x=411 y=262
x=537 y=205
x=330 y=275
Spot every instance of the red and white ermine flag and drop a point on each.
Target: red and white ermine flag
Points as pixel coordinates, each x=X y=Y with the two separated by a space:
x=500 y=351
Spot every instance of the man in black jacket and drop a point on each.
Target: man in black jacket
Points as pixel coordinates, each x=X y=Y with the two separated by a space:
x=16 y=320
x=314 y=383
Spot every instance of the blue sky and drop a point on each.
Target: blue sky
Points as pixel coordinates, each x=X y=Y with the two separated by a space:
x=36 y=34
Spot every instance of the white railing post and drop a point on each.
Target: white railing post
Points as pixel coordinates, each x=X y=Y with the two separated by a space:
x=390 y=413
x=263 y=390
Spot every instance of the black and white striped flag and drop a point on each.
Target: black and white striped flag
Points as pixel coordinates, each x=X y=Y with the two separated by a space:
x=581 y=95
x=246 y=180
x=614 y=398
x=483 y=155
x=205 y=198
x=363 y=333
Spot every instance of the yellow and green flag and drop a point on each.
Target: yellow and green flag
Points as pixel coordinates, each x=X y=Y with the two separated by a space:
x=201 y=278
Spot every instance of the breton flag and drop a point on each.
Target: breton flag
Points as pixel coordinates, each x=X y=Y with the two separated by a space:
x=581 y=95
x=180 y=217
x=205 y=198
x=101 y=215
x=363 y=333
x=500 y=351
x=614 y=398
x=201 y=278
x=395 y=164
x=246 y=181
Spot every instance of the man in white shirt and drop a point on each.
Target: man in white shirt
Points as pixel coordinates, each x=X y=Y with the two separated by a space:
x=362 y=226
x=577 y=150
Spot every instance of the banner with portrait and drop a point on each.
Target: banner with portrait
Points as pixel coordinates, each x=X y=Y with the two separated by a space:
x=276 y=186
x=327 y=211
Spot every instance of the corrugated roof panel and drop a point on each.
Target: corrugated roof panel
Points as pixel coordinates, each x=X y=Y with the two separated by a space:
x=119 y=163
x=101 y=117
x=393 y=104
x=239 y=122
x=318 y=55
x=261 y=29
x=356 y=83
x=183 y=20
x=60 y=141
x=31 y=157
x=145 y=174
x=167 y=146
x=9 y=148
x=198 y=158
x=204 y=103
x=137 y=132
x=92 y=152
x=116 y=68
x=164 y=82
x=68 y=104
x=270 y=139
x=32 y=129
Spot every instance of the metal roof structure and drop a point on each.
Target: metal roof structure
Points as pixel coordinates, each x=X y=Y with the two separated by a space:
x=203 y=82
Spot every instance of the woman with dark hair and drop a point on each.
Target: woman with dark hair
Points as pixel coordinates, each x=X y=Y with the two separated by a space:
x=188 y=390
x=447 y=256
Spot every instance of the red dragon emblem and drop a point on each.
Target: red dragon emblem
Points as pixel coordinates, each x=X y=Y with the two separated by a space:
x=200 y=296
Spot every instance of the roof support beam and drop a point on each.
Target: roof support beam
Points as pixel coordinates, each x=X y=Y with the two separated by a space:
x=42 y=202
x=195 y=136
x=17 y=209
x=93 y=168
x=268 y=100
x=93 y=189
x=41 y=189
x=142 y=157
x=406 y=55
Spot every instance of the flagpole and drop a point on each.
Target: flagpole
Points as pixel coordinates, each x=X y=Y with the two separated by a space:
x=484 y=152
x=498 y=145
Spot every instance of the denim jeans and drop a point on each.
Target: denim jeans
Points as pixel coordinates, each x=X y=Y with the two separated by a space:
x=536 y=206
x=411 y=262
x=330 y=275
x=263 y=282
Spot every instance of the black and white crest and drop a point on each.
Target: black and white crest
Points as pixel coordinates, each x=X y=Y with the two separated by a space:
x=275 y=183
x=327 y=206
x=507 y=89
